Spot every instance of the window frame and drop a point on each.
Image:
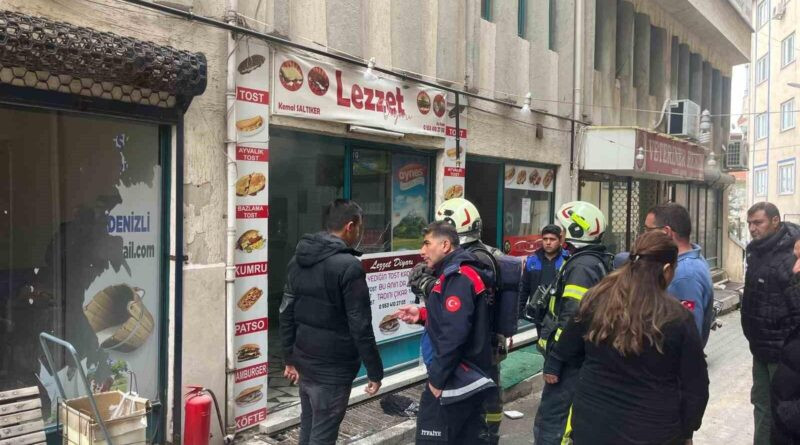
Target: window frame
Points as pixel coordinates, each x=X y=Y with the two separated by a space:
x=765 y=59
x=791 y=52
x=762 y=20
x=522 y=18
x=760 y=127
x=782 y=165
x=757 y=186
x=486 y=10
x=793 y=114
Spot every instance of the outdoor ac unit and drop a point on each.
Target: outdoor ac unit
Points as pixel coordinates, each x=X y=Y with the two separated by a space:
x=779 y=10
x=684 y=119
x=736 y=156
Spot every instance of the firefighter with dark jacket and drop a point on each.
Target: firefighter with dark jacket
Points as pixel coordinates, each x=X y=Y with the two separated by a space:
x=466 y=219
x=584 y=224
x=456 y=345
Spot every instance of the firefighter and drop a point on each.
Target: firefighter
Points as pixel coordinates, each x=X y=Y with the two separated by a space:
x=464 y=216
x=584 y=225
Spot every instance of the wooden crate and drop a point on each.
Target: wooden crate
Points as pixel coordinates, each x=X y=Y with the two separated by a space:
x=81 y=428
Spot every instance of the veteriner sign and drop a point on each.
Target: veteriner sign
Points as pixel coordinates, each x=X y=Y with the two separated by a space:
x=670 y=156
x=315 y=88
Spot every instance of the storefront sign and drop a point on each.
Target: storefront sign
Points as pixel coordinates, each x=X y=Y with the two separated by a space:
x=316 y=88
x=252 y=213
x=455 y=158
x=668 y=156
x=387 y=278
x=521 y=245
x=410 y=202
x=520 y=177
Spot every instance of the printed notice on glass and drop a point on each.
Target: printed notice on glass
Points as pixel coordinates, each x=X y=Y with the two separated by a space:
x=387 y=279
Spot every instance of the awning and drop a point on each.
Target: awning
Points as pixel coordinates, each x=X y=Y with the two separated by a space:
x=48 y=55
x=641 y=153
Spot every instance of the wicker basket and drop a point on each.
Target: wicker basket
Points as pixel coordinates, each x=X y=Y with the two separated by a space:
x=120 y=306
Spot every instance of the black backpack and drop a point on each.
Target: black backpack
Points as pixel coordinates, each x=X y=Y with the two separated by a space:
x=504 y=298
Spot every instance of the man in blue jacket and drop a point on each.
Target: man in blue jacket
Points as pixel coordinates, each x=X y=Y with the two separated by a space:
x=692 y=283
x=456 y=345
x=541 y=267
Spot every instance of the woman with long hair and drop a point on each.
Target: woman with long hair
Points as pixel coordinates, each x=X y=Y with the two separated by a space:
x=644 y=378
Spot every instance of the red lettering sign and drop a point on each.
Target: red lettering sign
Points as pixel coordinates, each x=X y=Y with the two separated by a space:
x=668 y=156
x=251 y=95
x=455 y=172
x=371 y=99
x=250 y=269
x=251 y=326
x=252 y=211
x=251 y=419
x=251 y=154
x=390 y=263
x=251 y=372
x=451 y=131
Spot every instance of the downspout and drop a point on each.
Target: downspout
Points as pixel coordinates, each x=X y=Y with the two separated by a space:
x=577 y=96
x=230 y=266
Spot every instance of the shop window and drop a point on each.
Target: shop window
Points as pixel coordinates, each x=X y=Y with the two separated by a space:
x=80 y=250
x=527 y=197
x=394 y=190
x=714 y=231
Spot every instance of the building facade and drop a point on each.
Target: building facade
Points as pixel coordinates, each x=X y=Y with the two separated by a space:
x=773 y=94
x=184 y=200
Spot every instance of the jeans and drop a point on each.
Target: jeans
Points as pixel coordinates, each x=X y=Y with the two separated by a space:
x=322 y=410
x=459 y=423
x=760 y=398
x=551 y=418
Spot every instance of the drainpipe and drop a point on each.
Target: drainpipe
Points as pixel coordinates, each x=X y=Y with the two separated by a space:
x=230 y=266
x=577 y=96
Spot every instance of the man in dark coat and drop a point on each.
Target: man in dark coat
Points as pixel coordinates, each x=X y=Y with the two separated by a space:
x=326 y=323
x=767 y=305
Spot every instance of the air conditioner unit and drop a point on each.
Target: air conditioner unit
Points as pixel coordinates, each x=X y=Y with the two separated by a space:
x=684 y=119
x=736 y=156
x=779 y=10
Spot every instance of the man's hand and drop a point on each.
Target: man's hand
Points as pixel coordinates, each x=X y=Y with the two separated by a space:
x=436 y=392
x=421 y=279
x=408 y=314
x=550 y=379
x=372 y=388
x=290 y=372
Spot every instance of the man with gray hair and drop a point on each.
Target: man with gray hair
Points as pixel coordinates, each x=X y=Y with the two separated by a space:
x=769 y=312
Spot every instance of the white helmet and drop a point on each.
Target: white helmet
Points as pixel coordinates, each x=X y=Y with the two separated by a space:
x=464 y=216
x=584 y=222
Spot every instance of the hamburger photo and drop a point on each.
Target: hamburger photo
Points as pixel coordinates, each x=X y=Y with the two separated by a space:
x=250 y=240
x=389 y=324
x=250 y=395
x=247 y=352
x=291 y=75
x=423 y=102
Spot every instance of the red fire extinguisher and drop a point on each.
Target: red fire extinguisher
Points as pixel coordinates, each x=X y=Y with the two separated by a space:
x=197 y=412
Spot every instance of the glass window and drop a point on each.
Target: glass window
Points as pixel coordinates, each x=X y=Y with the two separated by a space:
x=762 y=126
x=762 y=68
x=760 y=181
x=80 y=249
x=787 y=115
x=486 y=9
x=762 y=14
x=481 y=188
x=522 y=17
x=786 y=178
x=526 y=207
x=787 y=50
x=394 y=190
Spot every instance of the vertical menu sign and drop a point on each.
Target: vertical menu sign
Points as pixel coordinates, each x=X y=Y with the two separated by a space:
x=455 y=161
x=252 y=213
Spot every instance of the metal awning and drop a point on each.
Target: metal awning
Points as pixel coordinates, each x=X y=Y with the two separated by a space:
x=55 y=56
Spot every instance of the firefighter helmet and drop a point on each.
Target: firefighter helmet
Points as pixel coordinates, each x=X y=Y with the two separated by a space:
x=584 y=222
x=464 y=216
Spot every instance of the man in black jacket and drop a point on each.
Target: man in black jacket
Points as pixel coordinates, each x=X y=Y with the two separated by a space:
x=767 y=314
x=326 y=323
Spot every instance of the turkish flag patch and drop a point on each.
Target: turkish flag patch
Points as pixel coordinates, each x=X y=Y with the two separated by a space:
x=688 y=304
x=452 y=303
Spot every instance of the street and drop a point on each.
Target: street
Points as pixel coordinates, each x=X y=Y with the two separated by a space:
x=729 y=415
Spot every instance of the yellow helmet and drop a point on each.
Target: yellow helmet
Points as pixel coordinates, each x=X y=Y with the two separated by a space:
x=464 y=216
x=584 y=222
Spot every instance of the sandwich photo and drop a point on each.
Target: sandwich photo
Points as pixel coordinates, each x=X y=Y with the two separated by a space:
x=249 y=298
x=247 y=352
x=423 y=102
x=451 y=153
x=250 y=124
x=548 y=178
x=454 y=191
x=534 y=176
x=250 y=185
x=389 y=324
x=291 y=75
x=250 y=241
x=510 y=173
x=250 y=64
x=521 y=177
x=250 y=395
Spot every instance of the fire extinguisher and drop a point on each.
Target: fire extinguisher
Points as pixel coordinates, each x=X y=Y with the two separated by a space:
x=197 y=423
